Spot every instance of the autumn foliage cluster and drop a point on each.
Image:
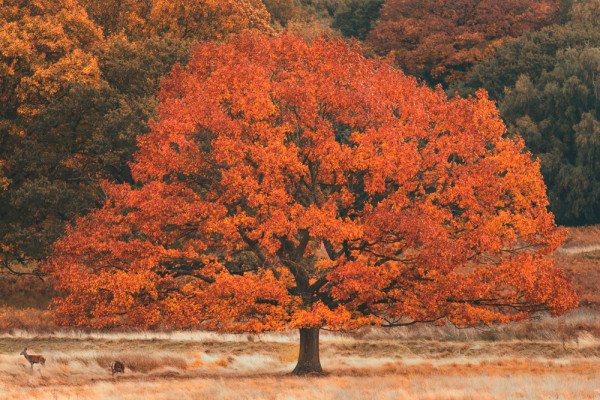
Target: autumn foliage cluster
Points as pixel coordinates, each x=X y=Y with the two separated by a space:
x=268 y=152
x=183 y=19
x=440 y=41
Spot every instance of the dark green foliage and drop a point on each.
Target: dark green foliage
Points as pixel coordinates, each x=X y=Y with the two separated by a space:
x=322 y=7
x=136 y=69
x=351 y=18
x=557 y=114
x=86 y=135
x=357 y=18
x=530 y=55
x=547 y=85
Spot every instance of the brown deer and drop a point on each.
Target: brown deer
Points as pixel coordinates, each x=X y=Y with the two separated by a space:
x=33 y=359
x=117 y=366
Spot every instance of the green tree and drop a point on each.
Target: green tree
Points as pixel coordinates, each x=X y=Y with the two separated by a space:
x=80 y=138
x=557 y=114
x=530 y=55
x=45 y=47
x=547 y=85
x=356 y=18
x=322 y=7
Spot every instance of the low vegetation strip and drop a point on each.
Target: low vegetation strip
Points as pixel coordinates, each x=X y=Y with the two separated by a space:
x=476 y=385
x=162 y=369
x=414 y=350
x=579 y=249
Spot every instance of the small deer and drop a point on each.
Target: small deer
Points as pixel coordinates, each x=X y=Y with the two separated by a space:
x=117 y=366
x=33 y=359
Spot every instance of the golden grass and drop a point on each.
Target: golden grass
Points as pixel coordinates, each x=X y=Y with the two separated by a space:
x=476 y=386
x=582 y=237
x=503 y=379
x=78 y=368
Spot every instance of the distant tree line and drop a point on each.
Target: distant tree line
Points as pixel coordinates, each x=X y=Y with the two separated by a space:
x=547 y=86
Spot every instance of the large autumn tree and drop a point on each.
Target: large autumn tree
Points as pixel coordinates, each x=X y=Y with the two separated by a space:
x=295 y=185
x=440 y=40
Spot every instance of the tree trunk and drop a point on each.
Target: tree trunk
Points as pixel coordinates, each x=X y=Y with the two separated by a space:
x=308 y=358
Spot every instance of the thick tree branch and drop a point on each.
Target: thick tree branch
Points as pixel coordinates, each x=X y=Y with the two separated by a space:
x=320 y=283
x=300 y=276
x=304 y=239
x=37 y=273
x=500 y=303
x=333 y=255
x=391 y=324
x=267 y=301
x=253 y=244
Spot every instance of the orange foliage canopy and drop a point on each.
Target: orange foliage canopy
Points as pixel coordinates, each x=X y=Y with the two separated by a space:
x=288 y=184
x=45 y=45
x=440 y=40
x=181 y=19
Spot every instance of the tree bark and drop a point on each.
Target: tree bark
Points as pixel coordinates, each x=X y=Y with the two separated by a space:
x=308 y=357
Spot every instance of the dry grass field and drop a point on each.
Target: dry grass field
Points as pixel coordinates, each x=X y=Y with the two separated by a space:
x=544 y=358
x=379 y=365
x=519 y=361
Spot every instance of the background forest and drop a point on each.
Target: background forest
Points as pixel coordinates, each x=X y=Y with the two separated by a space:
x=79 y=82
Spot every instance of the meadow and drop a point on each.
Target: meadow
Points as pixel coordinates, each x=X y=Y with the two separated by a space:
x=544 y=358
x=404 y=363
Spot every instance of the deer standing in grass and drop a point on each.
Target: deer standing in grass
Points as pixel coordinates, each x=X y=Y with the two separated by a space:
x=33 y=359
x=117 y=366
